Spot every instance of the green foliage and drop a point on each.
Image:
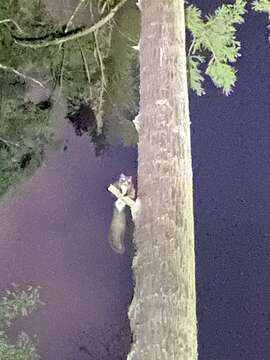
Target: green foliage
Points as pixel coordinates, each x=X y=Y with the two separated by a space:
x=74 y=79
x=261 y=6
x=24 y=349
x=26 y=128
x=24 y=134
x=101 y=71
x=214 y=35
x=122 y=68
x=15 y=304
x=222 y=75
x=82 y=71
x=195 y=74
x=194 y=21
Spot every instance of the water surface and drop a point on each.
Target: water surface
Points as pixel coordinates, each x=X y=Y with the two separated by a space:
x=54 y=234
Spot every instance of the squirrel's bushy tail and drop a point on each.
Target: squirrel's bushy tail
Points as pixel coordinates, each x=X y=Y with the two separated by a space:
x=117 y=231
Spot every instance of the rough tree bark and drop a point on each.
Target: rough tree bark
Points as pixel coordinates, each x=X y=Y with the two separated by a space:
x=163 y=310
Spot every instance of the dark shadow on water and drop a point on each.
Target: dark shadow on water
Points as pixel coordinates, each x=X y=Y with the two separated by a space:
x=84 y=122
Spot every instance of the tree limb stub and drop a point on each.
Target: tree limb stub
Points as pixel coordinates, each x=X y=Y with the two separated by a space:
x=60 y=39
x=126 y=199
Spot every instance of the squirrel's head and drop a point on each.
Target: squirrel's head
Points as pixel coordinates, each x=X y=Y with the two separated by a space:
x=125 y=183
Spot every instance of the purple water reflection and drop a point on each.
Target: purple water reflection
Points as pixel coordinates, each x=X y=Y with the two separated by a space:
x=54 y=234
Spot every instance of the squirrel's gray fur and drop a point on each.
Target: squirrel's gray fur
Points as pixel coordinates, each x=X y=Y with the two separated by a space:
x=118 y=224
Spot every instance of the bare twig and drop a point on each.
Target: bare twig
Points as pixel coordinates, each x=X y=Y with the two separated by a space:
x=126 y=36
x=39 y=43
x=6 y=21
x=103 y=82
x=10 y=69
x=73 y=15
x=62 y=48
x=7 y=142
x=99 y=60
x=61 y=75
x=102 y=7
x=87 y=73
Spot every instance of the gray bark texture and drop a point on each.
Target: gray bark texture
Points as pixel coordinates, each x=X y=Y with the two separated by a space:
x=163 y=311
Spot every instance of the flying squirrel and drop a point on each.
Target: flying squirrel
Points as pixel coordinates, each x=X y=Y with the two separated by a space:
x=126 y=195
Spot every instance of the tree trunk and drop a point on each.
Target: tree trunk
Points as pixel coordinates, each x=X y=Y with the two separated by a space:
x=163 y=310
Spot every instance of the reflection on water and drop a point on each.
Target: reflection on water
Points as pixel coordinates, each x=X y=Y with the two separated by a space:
x=54 y=230
x=84 y=121
x=54 y=234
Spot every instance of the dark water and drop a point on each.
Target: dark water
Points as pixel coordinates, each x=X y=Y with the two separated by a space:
x=54 y=234
x=231 y=152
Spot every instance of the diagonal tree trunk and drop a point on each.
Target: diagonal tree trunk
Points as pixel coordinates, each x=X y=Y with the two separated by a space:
x=163 y=310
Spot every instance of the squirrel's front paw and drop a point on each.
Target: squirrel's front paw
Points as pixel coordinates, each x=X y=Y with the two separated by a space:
x=135 y=209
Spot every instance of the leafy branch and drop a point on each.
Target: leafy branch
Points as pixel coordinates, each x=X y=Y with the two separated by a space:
x=16 y=304
x=261 y=6
x=214 y=35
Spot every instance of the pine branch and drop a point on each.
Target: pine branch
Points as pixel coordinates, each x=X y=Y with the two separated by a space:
x=214 y=34
x=261 y=6
x=195 y=74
